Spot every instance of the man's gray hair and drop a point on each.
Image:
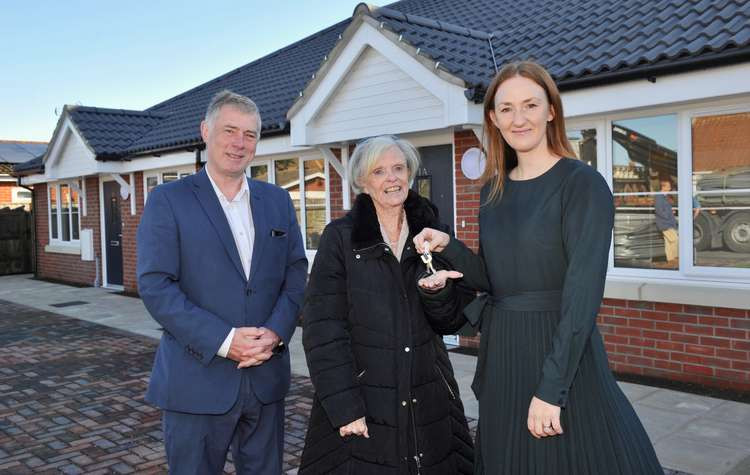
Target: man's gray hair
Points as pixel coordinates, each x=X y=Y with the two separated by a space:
x=229 y=98
x=368 y=152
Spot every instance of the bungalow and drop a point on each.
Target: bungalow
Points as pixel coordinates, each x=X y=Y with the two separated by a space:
x=653 y=93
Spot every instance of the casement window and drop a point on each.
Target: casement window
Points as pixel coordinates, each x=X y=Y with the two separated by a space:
x=64 y=204
x=306 y=181
x=690 y=161
x=720 y=198
x=153 y=178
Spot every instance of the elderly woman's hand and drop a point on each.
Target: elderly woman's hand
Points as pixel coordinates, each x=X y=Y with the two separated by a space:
x=436 y=281
x=437 y=240
x=544 y=419
x=358 y=427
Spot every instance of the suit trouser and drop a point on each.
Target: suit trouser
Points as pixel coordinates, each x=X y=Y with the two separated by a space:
x=198 y=443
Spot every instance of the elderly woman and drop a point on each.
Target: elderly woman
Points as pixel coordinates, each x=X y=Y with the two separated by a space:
x=386 y=400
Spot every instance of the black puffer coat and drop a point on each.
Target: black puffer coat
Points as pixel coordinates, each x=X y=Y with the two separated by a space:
x=372 y=352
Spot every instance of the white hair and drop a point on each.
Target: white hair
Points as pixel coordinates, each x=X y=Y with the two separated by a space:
x=367 y=153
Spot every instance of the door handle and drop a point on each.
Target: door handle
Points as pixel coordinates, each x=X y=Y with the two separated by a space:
x=114 y=243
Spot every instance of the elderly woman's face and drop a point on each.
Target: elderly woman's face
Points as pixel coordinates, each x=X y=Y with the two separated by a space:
x=388 y=181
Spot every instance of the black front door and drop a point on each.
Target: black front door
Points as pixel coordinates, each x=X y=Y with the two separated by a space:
x=113 y=232
x=435 y=179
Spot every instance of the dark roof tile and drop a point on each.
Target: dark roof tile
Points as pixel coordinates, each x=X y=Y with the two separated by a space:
x=577 y=40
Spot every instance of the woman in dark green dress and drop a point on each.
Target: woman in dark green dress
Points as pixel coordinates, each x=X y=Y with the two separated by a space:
x=548 y=403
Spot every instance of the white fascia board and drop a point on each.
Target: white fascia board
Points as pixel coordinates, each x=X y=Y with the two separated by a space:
x=277 y=145
x=33 y=179
x=148 y=163
x=458 y=110
x=676 y=88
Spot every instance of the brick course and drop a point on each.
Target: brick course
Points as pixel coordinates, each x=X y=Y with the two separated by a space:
x=705 y=345
x=67 y=267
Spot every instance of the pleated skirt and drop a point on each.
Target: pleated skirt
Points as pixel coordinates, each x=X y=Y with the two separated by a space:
x=602 y=433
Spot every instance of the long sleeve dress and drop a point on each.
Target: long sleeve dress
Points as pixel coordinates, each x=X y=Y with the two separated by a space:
x=543 y=261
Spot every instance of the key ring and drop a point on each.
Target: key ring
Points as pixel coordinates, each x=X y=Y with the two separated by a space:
x=427 y=259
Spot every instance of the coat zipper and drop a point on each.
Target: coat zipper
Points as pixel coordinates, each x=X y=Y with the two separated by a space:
x=417 y=455
x=445 y=381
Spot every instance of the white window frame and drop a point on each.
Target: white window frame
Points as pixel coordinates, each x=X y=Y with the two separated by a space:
x=180 y=171
x=301 y=159
x=16 y=198
x=685 y=188
x=58 y=241
x=687 y=271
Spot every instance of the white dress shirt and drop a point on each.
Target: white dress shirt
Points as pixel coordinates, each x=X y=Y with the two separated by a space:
x=240 y=218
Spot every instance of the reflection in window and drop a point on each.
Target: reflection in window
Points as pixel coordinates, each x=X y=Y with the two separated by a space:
x=53 y=211
x=644 y=178
x=584 y=145
x=315 y=202
x=151 y=183
x=168 y=176
x=74 y=214
x=423 y=183
x=721 y=190
x=287 y=177
x=65 y=211
x=259 y=172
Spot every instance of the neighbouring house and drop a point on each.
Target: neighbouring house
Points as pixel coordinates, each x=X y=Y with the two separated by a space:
x=13 y=152
x=653 y=91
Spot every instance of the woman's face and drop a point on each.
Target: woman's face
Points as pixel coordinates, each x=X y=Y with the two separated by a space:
x=388 y=181
x=521 y=114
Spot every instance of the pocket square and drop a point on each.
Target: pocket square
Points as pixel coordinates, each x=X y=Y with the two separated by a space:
x=278 y=233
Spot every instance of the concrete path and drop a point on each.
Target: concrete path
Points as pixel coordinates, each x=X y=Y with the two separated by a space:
x=693 y=434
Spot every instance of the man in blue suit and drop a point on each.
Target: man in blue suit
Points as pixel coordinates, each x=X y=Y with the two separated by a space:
x=222 y=268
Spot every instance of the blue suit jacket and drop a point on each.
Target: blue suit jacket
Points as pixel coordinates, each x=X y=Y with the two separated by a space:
x=192 y=282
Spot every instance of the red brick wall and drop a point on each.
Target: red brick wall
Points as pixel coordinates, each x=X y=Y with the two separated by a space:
x=6 y=193
x=467 y=192
x=129 y=228
x=334 y=187
x=467 y=204
x=67 y=267
x=678 y=342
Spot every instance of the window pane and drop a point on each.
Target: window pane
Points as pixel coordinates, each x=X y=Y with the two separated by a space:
x=644 y=178
x=287 y=177
x=65 y=212
x=721 y=190
x=53 y=210
x=166 y=177
x=151 y=182
x=315 y=202
x=74 y=213
x=259 y=172
x=584 y=145
x=184 y=174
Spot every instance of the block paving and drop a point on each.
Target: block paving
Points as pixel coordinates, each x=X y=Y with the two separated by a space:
x=71 y=399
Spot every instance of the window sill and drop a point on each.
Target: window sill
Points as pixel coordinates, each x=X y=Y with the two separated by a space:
x=705 y=293
x=60 y=248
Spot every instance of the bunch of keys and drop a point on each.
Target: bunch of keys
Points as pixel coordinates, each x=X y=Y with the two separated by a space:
x=427 y=258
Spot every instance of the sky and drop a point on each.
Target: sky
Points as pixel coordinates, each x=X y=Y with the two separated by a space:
x=134 y=54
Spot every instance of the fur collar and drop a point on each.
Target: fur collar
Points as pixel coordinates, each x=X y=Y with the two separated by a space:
x=420 y=213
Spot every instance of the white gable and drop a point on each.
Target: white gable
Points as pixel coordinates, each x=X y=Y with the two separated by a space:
x=374 y=84
x=377 y=97
x=69 y=155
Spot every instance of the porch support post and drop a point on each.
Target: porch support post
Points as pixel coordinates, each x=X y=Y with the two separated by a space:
x=340 y=167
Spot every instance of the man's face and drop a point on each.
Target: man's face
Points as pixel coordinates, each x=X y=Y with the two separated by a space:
x=231 y=138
